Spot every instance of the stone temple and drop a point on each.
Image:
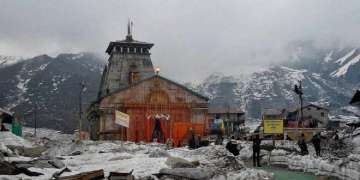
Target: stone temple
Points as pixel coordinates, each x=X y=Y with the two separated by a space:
x=159 y=108
x=129 y=62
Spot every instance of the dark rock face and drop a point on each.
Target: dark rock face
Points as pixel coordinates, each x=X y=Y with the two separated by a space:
x=52 y=86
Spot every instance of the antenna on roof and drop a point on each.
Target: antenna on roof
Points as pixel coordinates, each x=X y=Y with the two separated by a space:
x=129 y=30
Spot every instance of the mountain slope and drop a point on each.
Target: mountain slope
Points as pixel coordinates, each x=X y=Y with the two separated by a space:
x=50 y=85
x=329 y=78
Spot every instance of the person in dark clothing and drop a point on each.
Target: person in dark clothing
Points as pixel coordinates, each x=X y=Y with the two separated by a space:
x=192 y=142
x=336 y=137
x=316 y=140
x=231 y=147
x=256 y=151
x=302 y=145
x=3 y=128
x=337 y=142
x=157 y=132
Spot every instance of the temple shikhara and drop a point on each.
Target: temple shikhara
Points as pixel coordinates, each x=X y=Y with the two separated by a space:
x=159 y=108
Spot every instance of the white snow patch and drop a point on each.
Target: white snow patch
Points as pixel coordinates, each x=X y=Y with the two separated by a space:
x=343 y=70
x=8 y=138
x=295 y=74
x=77 y=56
x=43 y=66
x=344 y=58
x=328 y=57
x=9 y=60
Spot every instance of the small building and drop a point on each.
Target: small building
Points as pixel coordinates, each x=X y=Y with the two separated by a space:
x=355 y=100
x=233 y=118
x=274 y=114
x=313 y=117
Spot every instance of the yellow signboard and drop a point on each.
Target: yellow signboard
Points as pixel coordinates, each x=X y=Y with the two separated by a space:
x=273 y=126
x=122 y=118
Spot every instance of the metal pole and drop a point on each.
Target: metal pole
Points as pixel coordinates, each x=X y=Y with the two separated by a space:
x=35 y=120
x=228 y=120
x=80 y=106
x=301 y=104
x=35 y=115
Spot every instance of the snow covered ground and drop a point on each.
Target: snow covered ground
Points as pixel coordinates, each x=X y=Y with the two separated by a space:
x=148 y=159
x=144 y=159
x=347 y=167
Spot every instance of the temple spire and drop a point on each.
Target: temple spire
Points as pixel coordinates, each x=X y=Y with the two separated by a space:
x=129 y=29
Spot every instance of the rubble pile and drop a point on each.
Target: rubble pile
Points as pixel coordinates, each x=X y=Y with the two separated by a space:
x=215 y=159
x=75 y=158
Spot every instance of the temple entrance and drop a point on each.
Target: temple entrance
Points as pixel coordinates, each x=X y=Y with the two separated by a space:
x=157 y=134
x=157 y=109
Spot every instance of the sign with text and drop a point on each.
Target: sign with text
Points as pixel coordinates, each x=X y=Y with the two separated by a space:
x=122 y=119
x=273 y=126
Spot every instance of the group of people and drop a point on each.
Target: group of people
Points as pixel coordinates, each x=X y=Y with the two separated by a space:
x=316 y=141
x=232 y=147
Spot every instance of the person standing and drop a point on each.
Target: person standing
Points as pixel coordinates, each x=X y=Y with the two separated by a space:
x=191 y=142
x=256 y=151
x=316 y=140
x=232 y=147
x=302 y=145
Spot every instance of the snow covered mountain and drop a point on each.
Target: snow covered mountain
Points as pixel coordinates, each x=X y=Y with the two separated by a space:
x=329 y=77
x=8 y=60
x=51 y=85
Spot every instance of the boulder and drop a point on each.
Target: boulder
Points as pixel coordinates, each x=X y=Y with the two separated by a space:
x=28 y=151
x=76 y=153
x=120 y=158
x=121 y=175
x=5 y=150
x=97 y=174
x=57 y=174
x=41 y=163
x=185 y=173
x=7 y=168
x=158 y=153
x=176 y=162
x=195 y=163
x=56 y=163
x=34 y=151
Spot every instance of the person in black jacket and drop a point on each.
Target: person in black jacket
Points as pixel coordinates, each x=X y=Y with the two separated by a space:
x=302 y=145
x=316 y=140
x=256 y=151
x=232 y=147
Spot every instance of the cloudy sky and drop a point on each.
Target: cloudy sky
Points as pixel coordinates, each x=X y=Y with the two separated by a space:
x=192 y=38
